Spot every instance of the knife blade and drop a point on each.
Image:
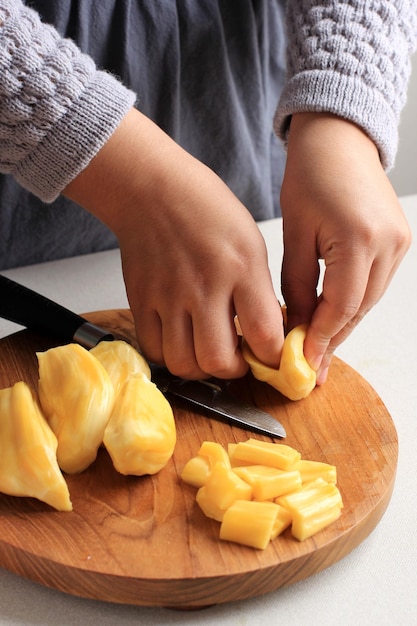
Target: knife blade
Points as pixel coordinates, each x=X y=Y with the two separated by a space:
x=36 y=312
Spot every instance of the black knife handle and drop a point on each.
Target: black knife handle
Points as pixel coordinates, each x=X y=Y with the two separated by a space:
x=28 y=308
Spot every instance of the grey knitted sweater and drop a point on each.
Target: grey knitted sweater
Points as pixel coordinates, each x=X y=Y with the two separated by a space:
x=56 y=109
x=60 y=99
x=351 y=58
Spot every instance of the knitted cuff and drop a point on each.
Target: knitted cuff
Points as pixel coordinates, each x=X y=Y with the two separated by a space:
x=346 y=97
x=76 y=138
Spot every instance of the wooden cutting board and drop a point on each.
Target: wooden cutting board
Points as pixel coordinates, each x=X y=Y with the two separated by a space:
x=144 y=541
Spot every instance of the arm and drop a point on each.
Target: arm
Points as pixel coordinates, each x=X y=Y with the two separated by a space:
x=56 y=109
x=346 y=213
x=192 y=255
x=348 y=71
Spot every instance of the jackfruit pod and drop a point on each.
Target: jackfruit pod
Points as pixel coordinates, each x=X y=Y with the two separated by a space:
x=121 y=361
x=141 y=435
x=28 y=464
x=294 y=378
x=76 y=396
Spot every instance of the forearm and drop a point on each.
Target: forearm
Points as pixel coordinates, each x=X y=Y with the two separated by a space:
x=351 y=61
x=127 y=180
x=57 y=110
x=337 y=205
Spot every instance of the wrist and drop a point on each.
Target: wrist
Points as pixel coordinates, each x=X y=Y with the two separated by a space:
x=123 y=173
x=319 y=127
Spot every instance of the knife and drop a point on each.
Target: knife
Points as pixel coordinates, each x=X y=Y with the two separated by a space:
x=28 y=308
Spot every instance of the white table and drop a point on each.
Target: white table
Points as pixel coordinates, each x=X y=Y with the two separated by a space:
x=377 y=582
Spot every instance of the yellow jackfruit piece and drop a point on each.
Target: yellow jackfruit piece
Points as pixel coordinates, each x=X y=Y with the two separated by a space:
x=257 y=452
x=221 y=489
x=310 y=470
x=294 y=378
x=268 y=482
x=305 y=524
x=284 y=519
x=314 y=514
x=315 y=484
x=121 y=361
x=196 y=471
x=313 y=507
x=215 y=453
x=76 y=396
x=253 y=524
x=231 y=447
x=28 y=464
x=141 y=434
x=198 y=468
x=309 y=499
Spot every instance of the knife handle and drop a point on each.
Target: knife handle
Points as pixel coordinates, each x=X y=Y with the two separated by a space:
x=28 y=308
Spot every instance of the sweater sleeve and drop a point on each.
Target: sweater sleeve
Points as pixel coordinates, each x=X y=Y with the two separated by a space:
x=56 y=108
x=350 y=58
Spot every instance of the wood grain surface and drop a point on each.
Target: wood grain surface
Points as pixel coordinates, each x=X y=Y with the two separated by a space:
x=144 y=541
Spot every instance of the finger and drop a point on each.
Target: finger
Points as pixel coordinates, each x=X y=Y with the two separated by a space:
x=260 y=319
x=202 y=343
x=381 y=274
x=344 y=287
x=352 y=284
x=178 y=345
x=216 y=341
x=149 y=334
x=299 y=277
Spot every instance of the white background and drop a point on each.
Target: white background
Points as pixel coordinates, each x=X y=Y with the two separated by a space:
x=404 y=175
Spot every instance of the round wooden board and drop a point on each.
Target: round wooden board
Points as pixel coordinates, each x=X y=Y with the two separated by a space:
x=144 y=541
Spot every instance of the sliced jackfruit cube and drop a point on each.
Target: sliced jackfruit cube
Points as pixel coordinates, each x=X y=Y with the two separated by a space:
x=310 y=470
x=313 y=507
x=268 y=482
x=253 y=524
x=221 y=489
x=257 y=452
x=215 y=453
x=196 y=471
x=198 y=468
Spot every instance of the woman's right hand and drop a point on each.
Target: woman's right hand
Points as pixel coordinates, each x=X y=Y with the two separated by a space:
x=192 y=255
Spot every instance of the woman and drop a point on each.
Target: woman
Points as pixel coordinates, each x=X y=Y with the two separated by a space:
x=167 y=161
